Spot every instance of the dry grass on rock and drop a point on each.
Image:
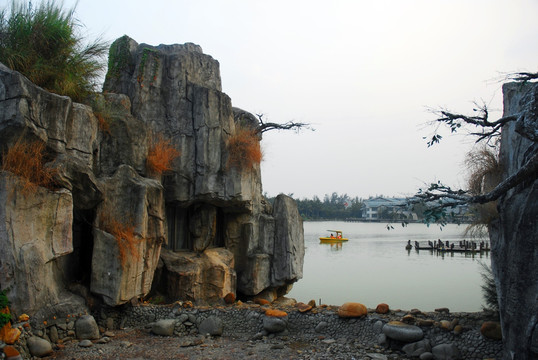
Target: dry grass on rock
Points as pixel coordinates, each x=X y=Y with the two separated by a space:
x=244 y=149
x=161 y=154
x=26 y=159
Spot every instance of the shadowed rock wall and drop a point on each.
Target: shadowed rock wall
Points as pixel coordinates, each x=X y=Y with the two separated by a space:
x=514 y=236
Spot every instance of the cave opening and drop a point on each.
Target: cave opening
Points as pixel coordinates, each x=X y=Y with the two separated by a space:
x=80 y=261
x=184 y=225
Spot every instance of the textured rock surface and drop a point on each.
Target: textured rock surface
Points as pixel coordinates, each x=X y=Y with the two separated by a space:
x=352 y=309
x=136 y=203
x=164 y=327
x=514 y=236
x=212 y=326
x=104 y=236
x=34 y=231
x=208 y=276
x=289 y=249
x=39 y=347
x=86 y=328
x=403 y=332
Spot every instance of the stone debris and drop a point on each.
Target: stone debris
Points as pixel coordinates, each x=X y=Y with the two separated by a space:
x=247 y=332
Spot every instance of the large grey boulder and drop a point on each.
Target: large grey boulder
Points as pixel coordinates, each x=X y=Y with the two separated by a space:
x=273 y=324
x=39 y=347
x=204 y=277
x=86 y=328
x=211 y=325
x=403 y=332
x=35 y=230
x=129 y=231
x=514 y=235
x=125 y=139
x=446 y=352
x=33 y=113
x=288 y=255
x=164 y=327
x=417 y=348
x=30 y=110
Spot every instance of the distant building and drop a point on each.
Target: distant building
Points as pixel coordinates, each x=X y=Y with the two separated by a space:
x=396 y=206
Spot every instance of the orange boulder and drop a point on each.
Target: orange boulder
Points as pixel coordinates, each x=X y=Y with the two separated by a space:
x=229 y=298
x=382 y=308
x=491 y=330
x=275 y=313
x=352 y=309
x=11 y=352
x=261 y=301
x=10 y=335
x=303 y=307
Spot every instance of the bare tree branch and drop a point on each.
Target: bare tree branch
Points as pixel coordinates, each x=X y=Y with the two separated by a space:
x=455 y=121
x=290 y=125
x=438 y=192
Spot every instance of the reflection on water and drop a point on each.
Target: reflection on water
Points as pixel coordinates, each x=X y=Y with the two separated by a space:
x=335 y=246
x=374 y=267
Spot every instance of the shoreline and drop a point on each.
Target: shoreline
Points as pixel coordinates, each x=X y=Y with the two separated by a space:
x=319 y=333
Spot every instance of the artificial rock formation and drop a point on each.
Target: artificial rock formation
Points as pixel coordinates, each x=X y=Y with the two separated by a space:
x=514 y=235
x=112 y=228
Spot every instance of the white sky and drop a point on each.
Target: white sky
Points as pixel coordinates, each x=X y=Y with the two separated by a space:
x=363 y=73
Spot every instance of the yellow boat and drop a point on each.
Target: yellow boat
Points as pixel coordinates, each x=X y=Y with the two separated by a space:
x=334 y=238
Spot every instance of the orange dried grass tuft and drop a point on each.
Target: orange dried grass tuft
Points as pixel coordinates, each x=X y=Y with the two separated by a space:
x=161 y=154
x=102 y=122
x=125 y=237
x=244 y=149
x=27 y=160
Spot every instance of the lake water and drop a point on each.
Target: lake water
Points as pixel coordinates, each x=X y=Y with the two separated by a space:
x=374 y=267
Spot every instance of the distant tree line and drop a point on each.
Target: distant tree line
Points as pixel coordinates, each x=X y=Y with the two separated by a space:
x=345 y=207
x=332 y=207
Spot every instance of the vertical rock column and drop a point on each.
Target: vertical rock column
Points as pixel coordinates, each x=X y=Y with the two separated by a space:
x=514 y=236
x=35 y=229
x=129 y=233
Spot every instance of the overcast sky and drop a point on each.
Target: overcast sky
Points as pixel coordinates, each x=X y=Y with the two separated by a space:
x=363 y=73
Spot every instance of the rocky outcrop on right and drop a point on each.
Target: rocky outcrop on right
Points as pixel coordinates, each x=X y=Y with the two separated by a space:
x=514 y=236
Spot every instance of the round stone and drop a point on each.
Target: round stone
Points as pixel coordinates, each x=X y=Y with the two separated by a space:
x=352 y=309
x=85 y=343
x=229 y=298
x=400 y=331
x=39 y=347
x=164 y=327
x=275 y=324
x=491 y=330
x=212 y=326
x=86 y=328
x=382 y=308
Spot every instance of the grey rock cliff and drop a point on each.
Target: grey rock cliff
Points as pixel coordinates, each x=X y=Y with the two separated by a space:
x=100 y=232
x=514 y=236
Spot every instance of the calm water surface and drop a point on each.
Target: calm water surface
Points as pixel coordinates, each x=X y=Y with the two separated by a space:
x=374 y=267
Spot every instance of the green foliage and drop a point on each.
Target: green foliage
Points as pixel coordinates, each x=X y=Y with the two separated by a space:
x=118 y=58
x=43 y=44
x=4 y=302
x=489 y=289
x=331 y=208
x=148 y=55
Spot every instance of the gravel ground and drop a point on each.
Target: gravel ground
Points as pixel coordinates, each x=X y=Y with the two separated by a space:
x=140 y=344
x=318 y=334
